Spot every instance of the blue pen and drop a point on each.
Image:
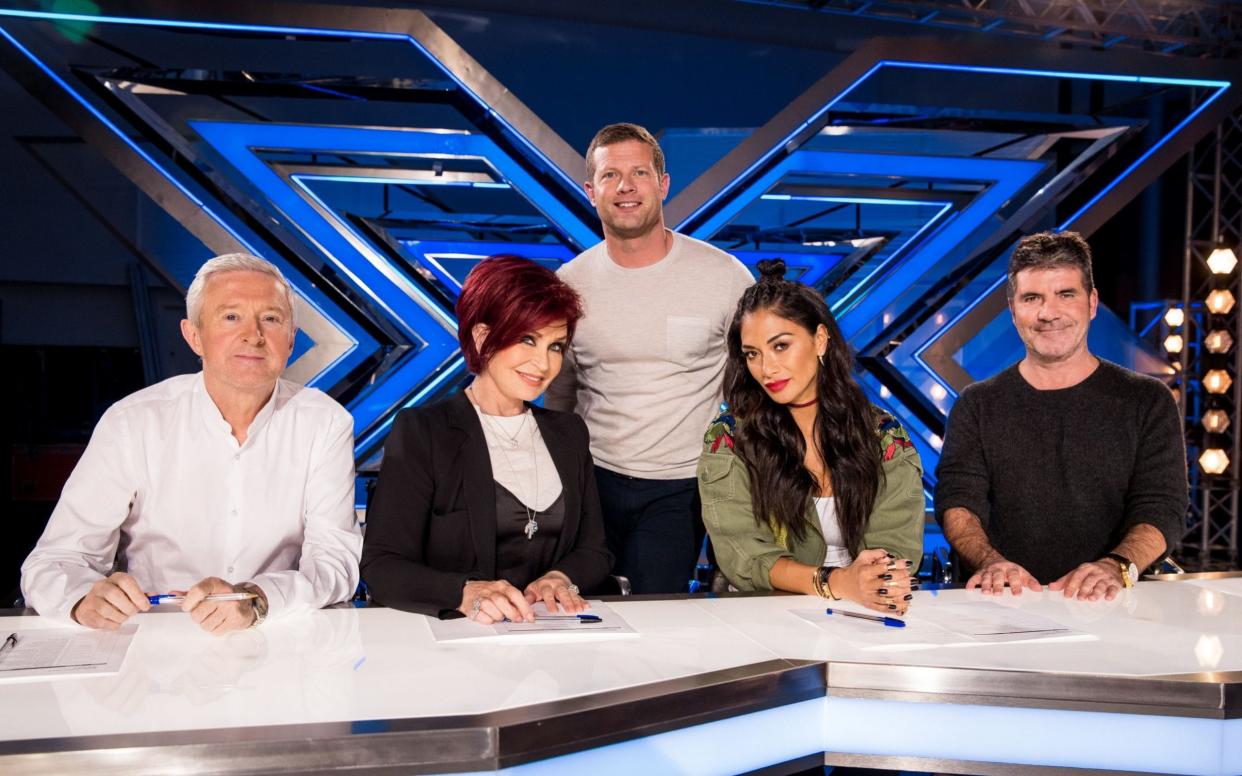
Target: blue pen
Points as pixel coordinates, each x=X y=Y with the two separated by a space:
x=582 y=618
x=891 y=622
x=585 y=619
x=173 y=598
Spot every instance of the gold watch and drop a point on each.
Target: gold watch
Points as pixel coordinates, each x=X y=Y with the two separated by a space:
x=1129 y=571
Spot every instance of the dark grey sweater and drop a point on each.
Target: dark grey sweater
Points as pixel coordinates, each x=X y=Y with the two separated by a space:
x=1058 y=477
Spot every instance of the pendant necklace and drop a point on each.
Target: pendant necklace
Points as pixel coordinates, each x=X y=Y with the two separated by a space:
x=511 y=441
x=532 y=525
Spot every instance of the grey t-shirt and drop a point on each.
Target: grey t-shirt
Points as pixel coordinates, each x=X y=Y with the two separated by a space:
x=648 y=356
x=1058 y=477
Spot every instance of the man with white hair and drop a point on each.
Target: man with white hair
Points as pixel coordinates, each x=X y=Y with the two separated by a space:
x=228 y=481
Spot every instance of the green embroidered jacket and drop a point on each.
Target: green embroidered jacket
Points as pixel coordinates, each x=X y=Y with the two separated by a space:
x=746 y=549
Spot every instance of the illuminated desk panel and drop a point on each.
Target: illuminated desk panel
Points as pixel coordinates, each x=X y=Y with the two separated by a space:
x=711 y=685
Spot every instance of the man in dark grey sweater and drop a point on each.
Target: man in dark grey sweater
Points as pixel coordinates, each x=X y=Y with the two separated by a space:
x=1063 y=469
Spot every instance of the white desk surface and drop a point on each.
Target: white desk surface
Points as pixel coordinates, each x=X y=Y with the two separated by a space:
x=346 y=665
x=354 y=664
x=1153 y=629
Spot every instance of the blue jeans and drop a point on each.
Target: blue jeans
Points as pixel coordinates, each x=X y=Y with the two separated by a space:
x=654 y=529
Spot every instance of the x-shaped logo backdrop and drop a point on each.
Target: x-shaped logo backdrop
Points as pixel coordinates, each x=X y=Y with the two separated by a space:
x=376 y=162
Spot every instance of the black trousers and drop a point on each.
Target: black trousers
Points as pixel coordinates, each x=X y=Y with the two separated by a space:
x=654 y=529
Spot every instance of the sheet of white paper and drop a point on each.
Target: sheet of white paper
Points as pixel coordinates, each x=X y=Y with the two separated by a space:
x=464 y=630
x=872 y=635
x=972 y=624
x=989 y=622
x=47 y=652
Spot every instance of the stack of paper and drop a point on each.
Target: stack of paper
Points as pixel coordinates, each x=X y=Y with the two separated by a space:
x=46 y=652
x=969 y=624
x=610 y=624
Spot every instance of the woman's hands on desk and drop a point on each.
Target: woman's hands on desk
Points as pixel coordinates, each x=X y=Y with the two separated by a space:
x=487 y=602
x=553 y=588
x=493 y=601
x=876 y=580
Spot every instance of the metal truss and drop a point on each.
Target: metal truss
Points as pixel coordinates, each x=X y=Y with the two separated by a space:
x=1213 y=218
x=1194 y=28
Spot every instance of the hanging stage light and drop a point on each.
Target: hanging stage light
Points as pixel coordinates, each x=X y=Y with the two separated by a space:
x=1214 y=461
x=1215 y=421
x=1220 y=301
x=1217 y=381
x=1222 y=261
x=1218 y=341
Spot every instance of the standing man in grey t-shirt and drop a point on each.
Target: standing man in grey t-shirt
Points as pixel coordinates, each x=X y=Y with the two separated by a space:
x=646 y=363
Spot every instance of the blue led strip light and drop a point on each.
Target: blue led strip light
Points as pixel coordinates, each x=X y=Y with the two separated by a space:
x=864 y=298
x=316 y=300
x=860 y=301
x=278 y=29
x=432 y=253
x=814 y=265
x=918 y=354
x=378 y=396
x=894 y=291
x=841 y=301
x=1219 y=86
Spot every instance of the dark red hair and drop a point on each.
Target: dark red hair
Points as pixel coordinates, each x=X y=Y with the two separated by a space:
x=513 y=297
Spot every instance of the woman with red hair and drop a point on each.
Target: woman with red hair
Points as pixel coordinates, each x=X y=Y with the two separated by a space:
x=487 y=504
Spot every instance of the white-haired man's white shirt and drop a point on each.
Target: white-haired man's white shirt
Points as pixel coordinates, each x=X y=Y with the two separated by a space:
x=165 y=493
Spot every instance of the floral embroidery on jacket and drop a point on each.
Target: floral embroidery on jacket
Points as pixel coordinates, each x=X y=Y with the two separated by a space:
x=721 y=430
x=892 y=436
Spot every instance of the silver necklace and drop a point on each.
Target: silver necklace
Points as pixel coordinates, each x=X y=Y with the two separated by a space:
x=511 y=441
x=532 y=525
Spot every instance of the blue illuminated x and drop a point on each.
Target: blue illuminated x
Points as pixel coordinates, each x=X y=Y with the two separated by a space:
x=432 y=328
x=450 y=261
x=904 y=286
x=864 y=298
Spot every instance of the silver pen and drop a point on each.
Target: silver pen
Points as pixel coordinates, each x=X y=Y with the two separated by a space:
x=9 y=643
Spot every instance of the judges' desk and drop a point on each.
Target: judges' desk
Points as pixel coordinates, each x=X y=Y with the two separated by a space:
x=713 y=685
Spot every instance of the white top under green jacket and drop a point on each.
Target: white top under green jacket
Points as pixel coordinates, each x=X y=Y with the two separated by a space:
x=747 y=549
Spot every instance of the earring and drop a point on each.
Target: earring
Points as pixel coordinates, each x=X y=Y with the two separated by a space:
x=821 y=359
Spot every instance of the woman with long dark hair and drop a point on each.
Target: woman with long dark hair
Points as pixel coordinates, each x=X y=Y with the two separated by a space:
x=806 y=486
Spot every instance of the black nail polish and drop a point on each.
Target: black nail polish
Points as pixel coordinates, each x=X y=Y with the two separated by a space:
x=887 y=577
x=891 y=555
x=883 y=591
x=892 y=606
x=908 y=597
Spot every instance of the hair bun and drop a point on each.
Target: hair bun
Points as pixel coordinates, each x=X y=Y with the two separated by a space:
x=771 y=269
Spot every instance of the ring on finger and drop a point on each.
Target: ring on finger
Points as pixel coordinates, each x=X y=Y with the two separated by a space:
x=573 y=589
x=475 y=607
